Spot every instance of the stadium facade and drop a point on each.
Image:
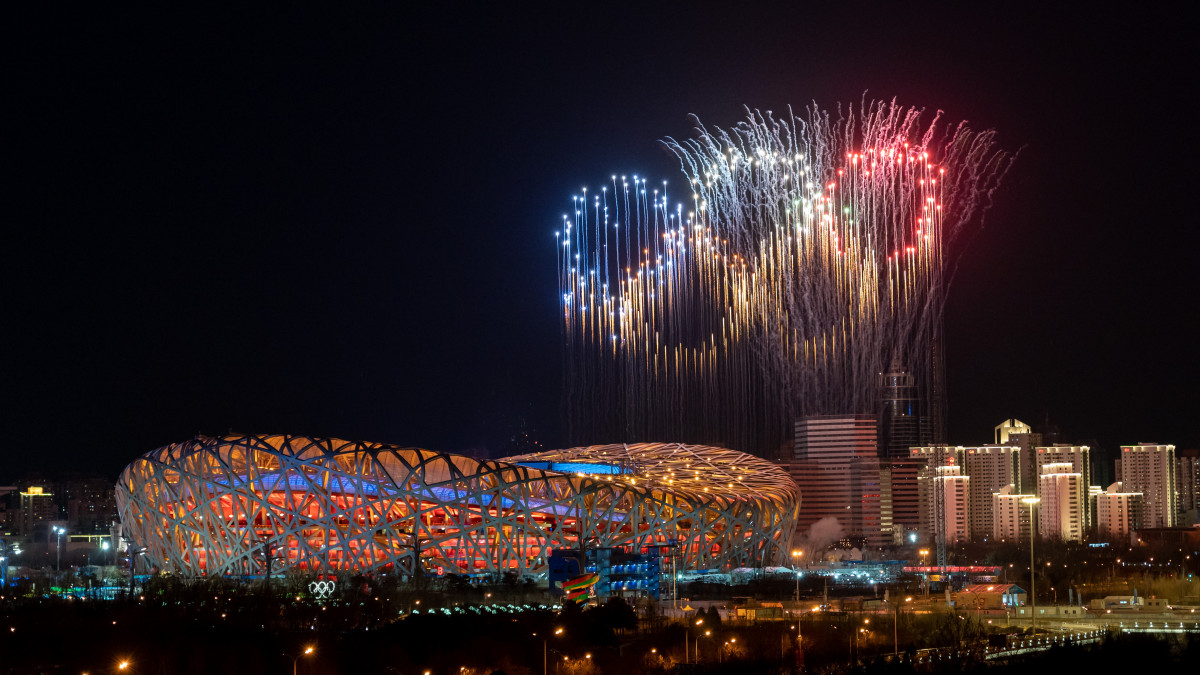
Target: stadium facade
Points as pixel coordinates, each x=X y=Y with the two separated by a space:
x=225 y=505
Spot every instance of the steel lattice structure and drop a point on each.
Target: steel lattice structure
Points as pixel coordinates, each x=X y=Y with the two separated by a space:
x=223 y=505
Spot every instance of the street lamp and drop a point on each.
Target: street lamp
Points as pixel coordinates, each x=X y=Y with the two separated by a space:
x=687 y=636
x=59 y=531
x=857 y=655
x=545 y=639
x=924 y=573
x=799 y=645
x=796 y=555
x=896 y=627
x=296 y=659
x=1032 y=502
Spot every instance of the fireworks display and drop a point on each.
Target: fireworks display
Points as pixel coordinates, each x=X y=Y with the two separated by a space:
x=809 y=256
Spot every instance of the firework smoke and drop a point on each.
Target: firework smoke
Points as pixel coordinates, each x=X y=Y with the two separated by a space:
x=811 y=255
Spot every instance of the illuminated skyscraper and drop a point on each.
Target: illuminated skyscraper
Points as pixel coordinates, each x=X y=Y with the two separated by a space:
x=1149 y=468
x=1010 y=516
x=1117 y=513
x=1063 y=494
x=938 y=455
x=1017 y=433
x=901 y=425
x=945 y=503
x=847 y=490
x=836 y=438
x=1080 y=459
x=838 y=471
x=991 y=468
x=37 y=510
x=901 y=504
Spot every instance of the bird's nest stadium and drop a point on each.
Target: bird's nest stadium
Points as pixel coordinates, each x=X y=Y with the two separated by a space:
x=226 y=505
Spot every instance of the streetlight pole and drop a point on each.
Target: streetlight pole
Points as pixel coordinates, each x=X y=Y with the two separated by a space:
x=924 y=573
x=296 y=659
x=58 y=531
x=687 y=636
x=800 y=644
x=545 y=647
x=796 y=555
x=1032 y=502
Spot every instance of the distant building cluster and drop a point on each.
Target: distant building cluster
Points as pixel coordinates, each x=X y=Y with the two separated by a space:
x=82 y=506
x=946 y=493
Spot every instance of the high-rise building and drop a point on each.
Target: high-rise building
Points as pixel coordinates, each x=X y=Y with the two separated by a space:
x=848 y=491
x=1063 y=495
x=901 y=425
x=1010 y=515
x=836 y=438
x=37 y=510
x=945 y=503
x=903 y=502
x=1080 y=459
x=1011 y=427
x=9 y=509
x=991 y=468
x=1078 y=456
x=1187 y=485
x=1149 y=468
x=91 y=504
x=938 y=455
x=1117 y=513
x=1017 y=433
x=838 y=471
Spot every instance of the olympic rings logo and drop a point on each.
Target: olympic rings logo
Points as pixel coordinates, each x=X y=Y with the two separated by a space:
x=322 y=589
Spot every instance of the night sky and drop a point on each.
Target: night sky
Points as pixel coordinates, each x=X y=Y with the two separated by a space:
x=343 y=224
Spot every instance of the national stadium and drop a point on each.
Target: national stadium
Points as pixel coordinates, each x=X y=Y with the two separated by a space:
x=228 y=505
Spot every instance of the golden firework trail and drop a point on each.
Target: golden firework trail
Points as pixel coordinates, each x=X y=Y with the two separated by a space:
x=810 y=255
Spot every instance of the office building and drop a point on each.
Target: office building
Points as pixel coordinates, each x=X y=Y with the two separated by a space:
x=900 y=423
x=837 y=469
x=902 y=503
x=848 y=491
x=1149 y=468
x=836 y=438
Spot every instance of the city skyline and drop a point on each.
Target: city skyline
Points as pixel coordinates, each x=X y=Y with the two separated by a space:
x=346 y=228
